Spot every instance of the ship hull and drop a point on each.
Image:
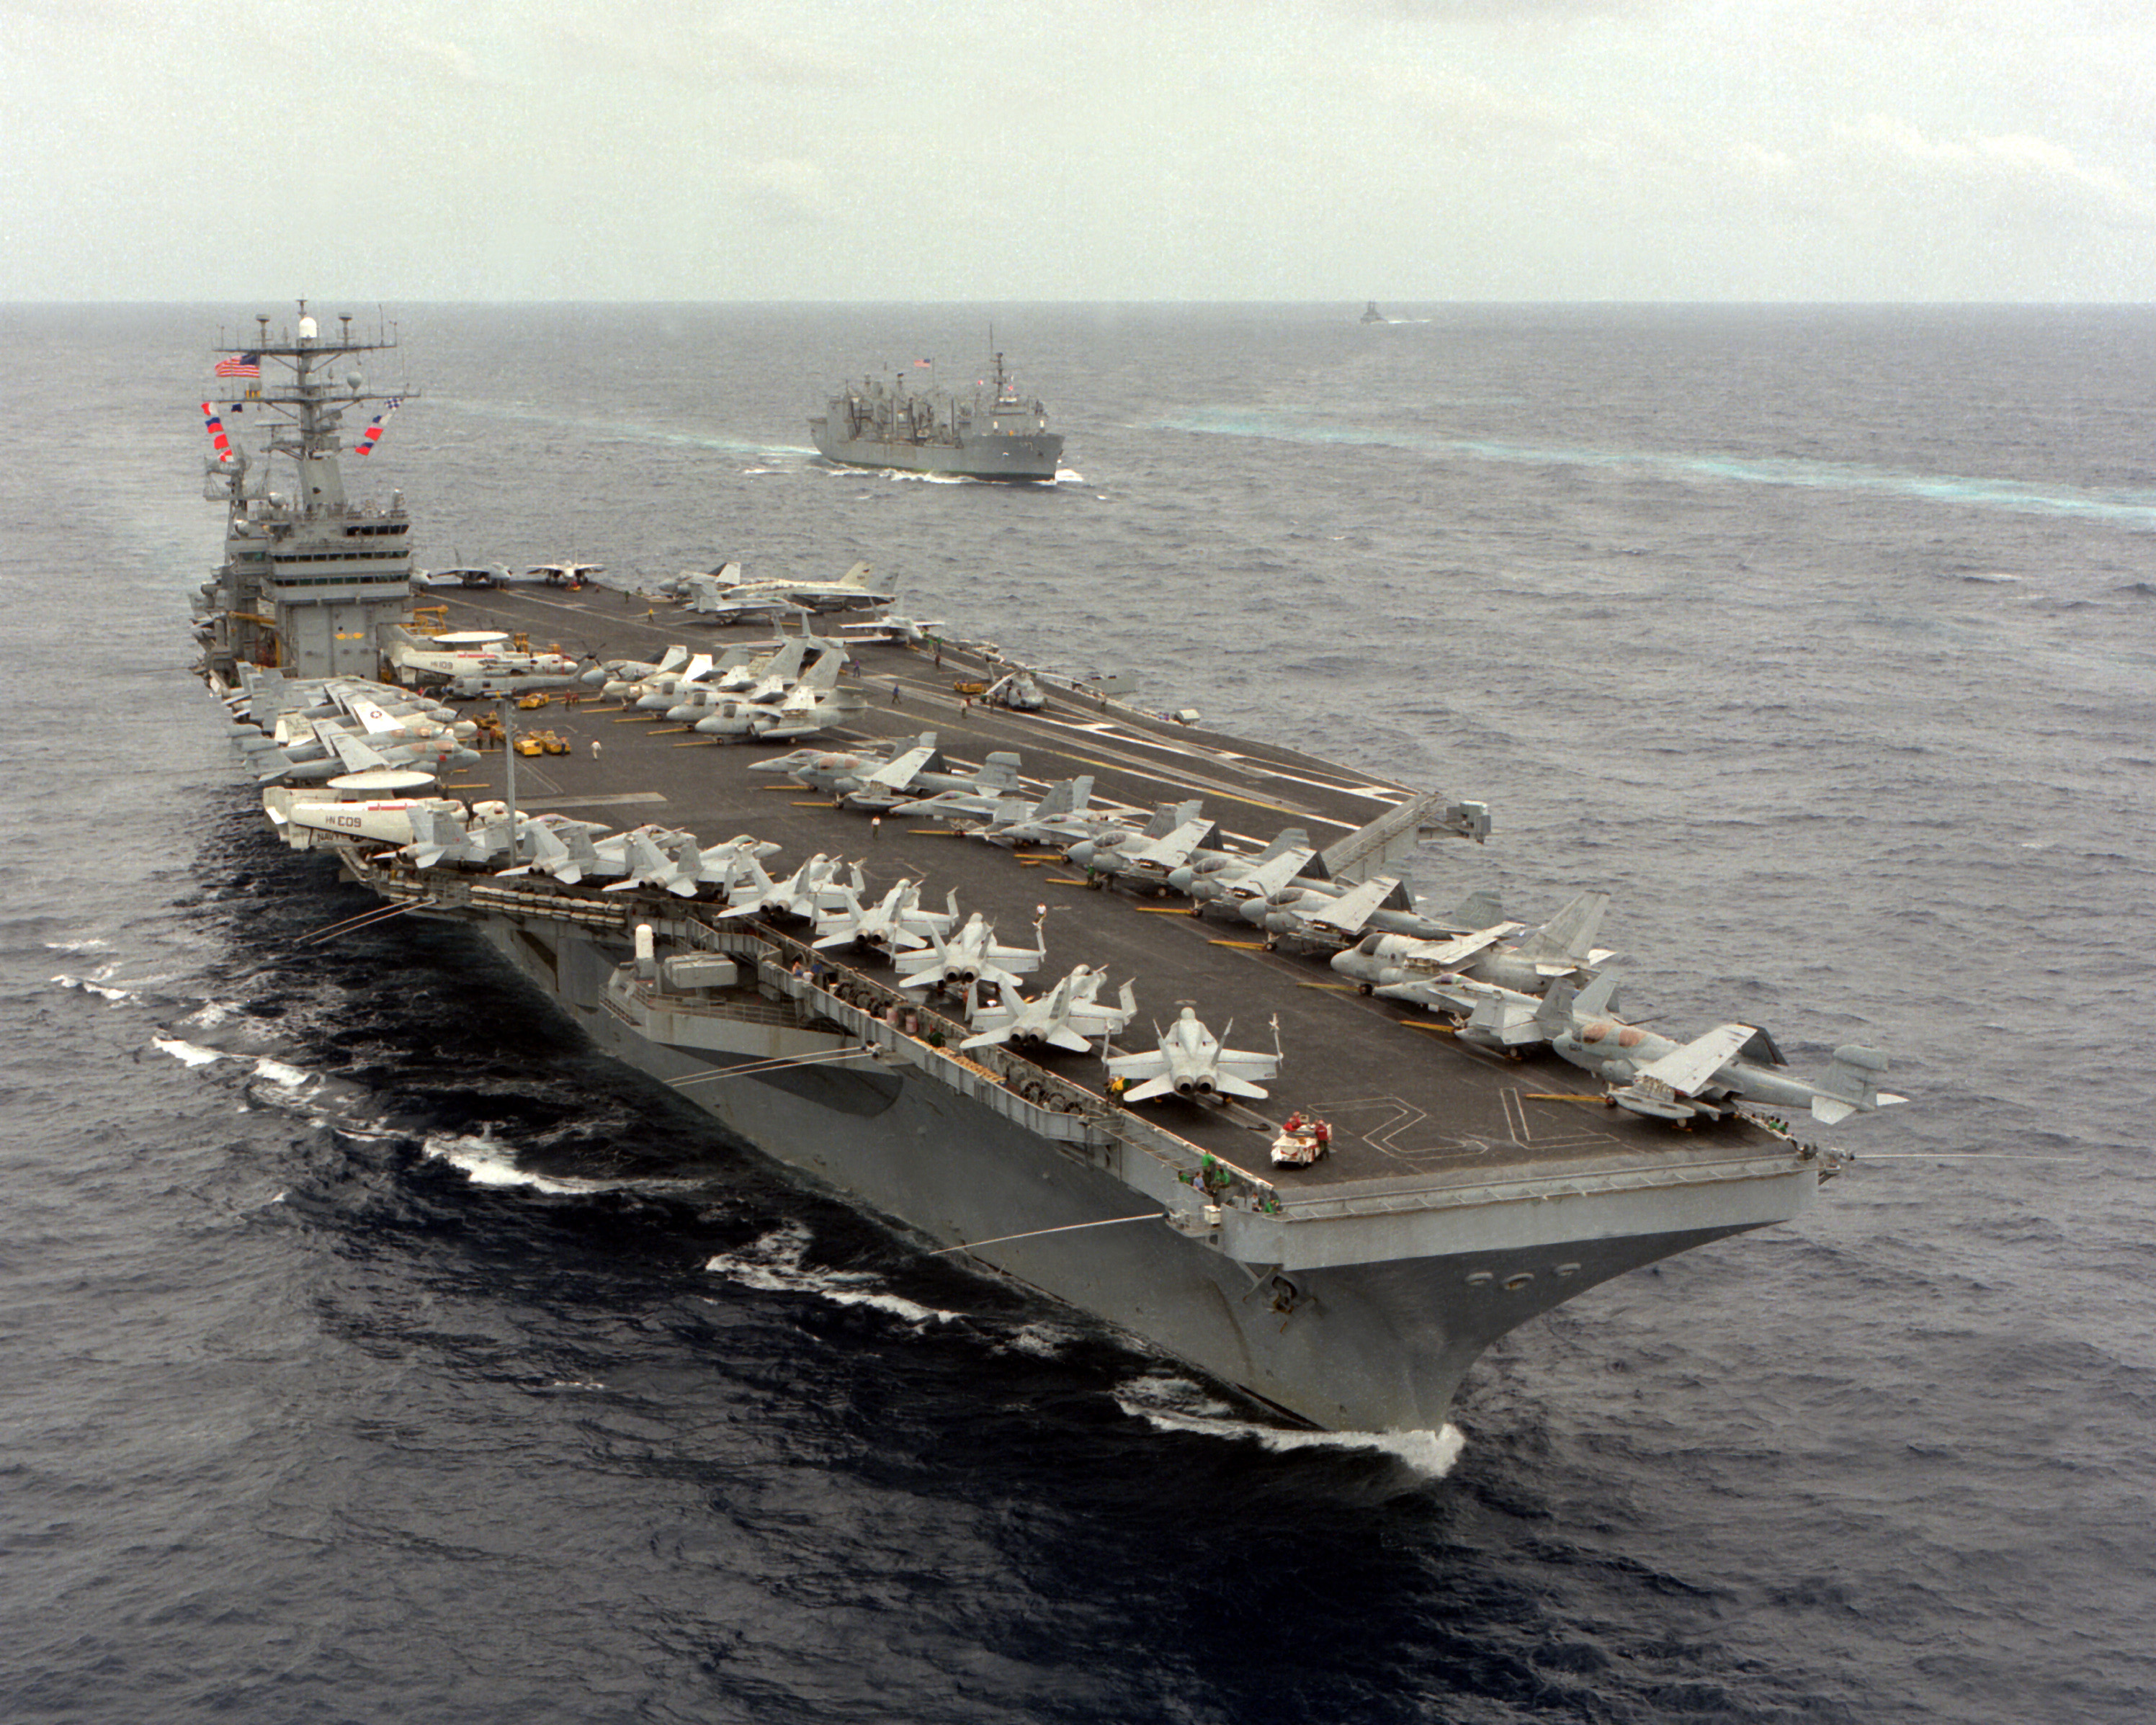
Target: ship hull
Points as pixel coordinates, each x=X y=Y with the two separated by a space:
x=1032 y=457
x=1374 y=1345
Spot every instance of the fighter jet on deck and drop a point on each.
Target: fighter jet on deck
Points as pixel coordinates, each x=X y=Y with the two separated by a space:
x=1219 y=877
x=971 y=955
x=723 y=596
x=1559 y=949
x=615 y=677
x=809 y=891
x=896 y=921
x=1065 y=1017
x=1059 y=813
x=1190 y=1062
x=894 y=783
x=1653 y=1075
x=1329 y=917
x=1145 y=856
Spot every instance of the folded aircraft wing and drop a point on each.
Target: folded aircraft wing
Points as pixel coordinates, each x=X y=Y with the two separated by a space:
x=1346 y=914
x=1688 y=1070
x=1447 y=955
x=357 y=755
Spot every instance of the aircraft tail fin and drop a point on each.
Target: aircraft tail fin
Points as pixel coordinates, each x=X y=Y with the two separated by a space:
x=1067 y=796
x=998 y=772
x=1568 y=936
x=1166 y=816
x=1554 y=1016
x=1480 y=909
x=1850 y=1085
x=823 y=674
x=1597 y=999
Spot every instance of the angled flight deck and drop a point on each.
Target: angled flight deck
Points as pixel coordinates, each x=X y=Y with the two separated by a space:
x=1407 y=1105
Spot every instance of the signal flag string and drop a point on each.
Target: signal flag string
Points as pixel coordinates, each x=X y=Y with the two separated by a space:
x=219 y=441
x=373 y=434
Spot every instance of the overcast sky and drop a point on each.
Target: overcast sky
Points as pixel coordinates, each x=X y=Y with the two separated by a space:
x=1406 y=150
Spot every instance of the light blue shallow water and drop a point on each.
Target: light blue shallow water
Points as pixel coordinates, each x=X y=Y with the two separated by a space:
x=1823 y=638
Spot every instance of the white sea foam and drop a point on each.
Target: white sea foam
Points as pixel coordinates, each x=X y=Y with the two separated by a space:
x=280 y=1075
x=187 y=1053
x=89 y=943
x=104 y=991
x=485 y=1161
x=1178 y=1405
x=1044 y=1341
x=773 y=1265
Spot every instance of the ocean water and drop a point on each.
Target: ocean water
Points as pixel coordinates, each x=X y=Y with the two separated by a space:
x=372 y=1350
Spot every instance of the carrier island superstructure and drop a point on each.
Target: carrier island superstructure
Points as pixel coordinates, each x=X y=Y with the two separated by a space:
x=1464 y=1195
x=309 y=576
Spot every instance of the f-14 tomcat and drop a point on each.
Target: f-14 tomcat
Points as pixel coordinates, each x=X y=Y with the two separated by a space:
x=723 y=596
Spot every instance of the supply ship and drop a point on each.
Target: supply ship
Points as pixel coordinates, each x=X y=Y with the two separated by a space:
x=1323 y=1193
x=993 y=433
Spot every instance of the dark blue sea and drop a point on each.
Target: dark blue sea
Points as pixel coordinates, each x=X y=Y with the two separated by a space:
x=370 y=1350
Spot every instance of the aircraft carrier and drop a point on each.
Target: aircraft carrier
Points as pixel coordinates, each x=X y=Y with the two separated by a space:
x=996 y=435
x=1463 y=1192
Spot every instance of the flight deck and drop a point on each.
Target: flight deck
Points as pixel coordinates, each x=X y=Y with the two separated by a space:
x=1411 y=1109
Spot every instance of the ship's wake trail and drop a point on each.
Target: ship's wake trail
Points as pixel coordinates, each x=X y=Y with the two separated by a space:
x=2124 y=507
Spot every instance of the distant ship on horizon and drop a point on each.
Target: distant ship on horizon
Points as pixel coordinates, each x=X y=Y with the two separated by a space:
x=1000 y=435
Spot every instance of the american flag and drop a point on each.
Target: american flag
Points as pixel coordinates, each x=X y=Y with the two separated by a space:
x=243 y=365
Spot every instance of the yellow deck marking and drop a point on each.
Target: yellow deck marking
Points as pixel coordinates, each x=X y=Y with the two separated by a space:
x=1165 y=909
x=1325 y=985
x=1243 y=946
x=1418 y=1025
